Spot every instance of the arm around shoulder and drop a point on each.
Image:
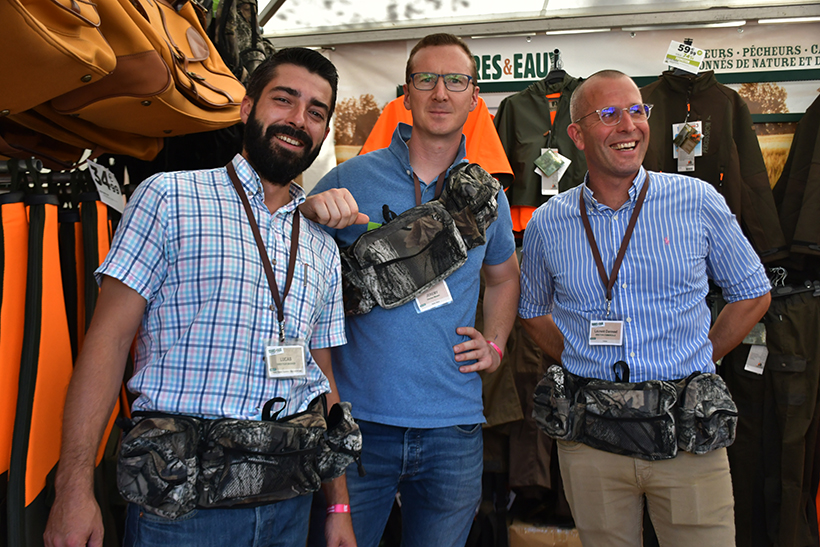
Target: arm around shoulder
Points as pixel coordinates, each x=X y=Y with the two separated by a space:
x=75 y=517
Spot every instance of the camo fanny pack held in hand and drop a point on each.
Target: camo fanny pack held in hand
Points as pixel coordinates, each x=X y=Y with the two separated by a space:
x=648 y=420
x=170 y=464
x=393 y=264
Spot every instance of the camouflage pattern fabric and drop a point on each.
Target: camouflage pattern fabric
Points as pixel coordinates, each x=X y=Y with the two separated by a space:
x=171 y=464
x=235 y=33
x=396 y=262
x=469 y=196
x=634 y=419
x=400 y=260
x=648 y=420
x=158 y=464
x=707 y=415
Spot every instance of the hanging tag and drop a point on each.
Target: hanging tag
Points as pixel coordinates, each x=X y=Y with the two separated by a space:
x=549 y=184
x=107 y=186
x=439 y=295
x=684 y=57
x=686 y=162
x=687 y=137
x=285 y=360
x=549 y=161
x=757 y=336
x=757 y=359
x=606 y=333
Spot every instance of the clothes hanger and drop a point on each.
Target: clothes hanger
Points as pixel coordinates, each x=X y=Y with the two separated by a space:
x=556 y=74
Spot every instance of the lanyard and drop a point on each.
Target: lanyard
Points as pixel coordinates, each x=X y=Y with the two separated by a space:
x=294 y=244
x=439 y=186
x=609 y=282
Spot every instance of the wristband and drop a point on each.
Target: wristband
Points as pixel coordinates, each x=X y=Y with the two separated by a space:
x=496 y=348
x=338 y=508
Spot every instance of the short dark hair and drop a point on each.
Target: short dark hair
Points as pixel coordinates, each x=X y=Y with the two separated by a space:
x=441 y=39
x=310 y=60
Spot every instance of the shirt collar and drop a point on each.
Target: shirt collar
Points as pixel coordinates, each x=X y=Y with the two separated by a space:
x=399 y=147
x=252 y=184
x=634 y=189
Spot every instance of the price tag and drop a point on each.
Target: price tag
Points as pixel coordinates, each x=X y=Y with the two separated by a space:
x=107 y=186
x=688 y=58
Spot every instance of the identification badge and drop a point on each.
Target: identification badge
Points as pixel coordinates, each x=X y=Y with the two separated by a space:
x=606 y=333
x=757 y=359
x=556 y=164
x=285 y=359
x=439 y=295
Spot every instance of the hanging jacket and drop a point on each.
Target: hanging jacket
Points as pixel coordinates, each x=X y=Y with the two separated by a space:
x=529 y=121
x=731 y=160
x=797 y=192
x=483 y=146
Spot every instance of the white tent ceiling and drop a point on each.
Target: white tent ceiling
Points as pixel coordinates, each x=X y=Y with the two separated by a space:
x=332 y=22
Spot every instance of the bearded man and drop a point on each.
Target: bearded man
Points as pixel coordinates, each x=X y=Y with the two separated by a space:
x=186 y=275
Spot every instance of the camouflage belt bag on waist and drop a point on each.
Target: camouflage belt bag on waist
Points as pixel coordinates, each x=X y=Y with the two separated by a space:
x=393 y=264
x=170 y=464
x=648 y=420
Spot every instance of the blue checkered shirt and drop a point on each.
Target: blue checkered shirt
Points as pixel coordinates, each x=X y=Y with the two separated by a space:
x=684 y=234
x=186 y=246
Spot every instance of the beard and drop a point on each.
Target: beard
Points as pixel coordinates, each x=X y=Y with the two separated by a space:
x=274 y=164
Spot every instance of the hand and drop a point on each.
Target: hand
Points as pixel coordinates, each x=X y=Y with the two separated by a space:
x=339 y=530
x=486 y=358
x=334 y=208
x=75 y=521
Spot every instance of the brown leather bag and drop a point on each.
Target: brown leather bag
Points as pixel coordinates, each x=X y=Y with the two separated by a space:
x=169 y=79
x=50 y=47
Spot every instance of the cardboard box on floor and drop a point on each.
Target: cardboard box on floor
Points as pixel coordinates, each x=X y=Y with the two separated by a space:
x=523 y=534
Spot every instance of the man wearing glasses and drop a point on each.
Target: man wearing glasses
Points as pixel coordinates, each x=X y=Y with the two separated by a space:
x=411 y=375
x=642 y=315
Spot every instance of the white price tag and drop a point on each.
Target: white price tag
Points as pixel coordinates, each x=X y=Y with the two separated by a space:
x=688 y=58
x=107 y=186
x=757 y=359
x=549 y=184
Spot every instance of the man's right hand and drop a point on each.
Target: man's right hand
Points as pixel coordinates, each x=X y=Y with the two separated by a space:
x=74 y=521
x=334 y=208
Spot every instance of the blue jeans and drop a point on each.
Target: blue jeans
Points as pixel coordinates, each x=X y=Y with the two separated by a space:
x=438 y=474
x=281 y=524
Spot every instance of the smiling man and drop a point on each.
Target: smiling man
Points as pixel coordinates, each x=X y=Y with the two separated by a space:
x=614 y=278
x=411 y=374
x=187 y=276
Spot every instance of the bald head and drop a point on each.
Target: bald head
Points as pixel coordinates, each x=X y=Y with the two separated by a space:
x=579 y=102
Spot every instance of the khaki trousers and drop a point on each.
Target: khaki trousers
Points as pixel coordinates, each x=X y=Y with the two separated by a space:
x=689 y=498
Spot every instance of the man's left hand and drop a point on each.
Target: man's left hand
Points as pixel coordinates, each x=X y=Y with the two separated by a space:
x=339 y=530
x=486 y=358
x=334 y=208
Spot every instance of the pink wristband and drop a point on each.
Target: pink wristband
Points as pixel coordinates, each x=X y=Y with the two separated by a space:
x=338 y=508
x=496 y=348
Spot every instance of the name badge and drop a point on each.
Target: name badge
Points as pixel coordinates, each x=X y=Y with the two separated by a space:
x=438 y=295
x=285 y=360
x=606 y=333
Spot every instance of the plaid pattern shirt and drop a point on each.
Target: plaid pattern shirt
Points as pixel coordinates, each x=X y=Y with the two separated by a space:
x=186 y=246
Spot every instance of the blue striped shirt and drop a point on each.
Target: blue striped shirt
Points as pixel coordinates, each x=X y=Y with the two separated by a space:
x=684 y=234
x=186 y=246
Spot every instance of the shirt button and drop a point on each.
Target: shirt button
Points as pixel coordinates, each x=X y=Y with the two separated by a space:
x=628 y=319
x=273 y=261
x=408 y=171
x=624 y=285
x=632 y=354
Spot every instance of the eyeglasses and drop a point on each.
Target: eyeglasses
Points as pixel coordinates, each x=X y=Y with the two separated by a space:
x=426 y=81
x=611 y=115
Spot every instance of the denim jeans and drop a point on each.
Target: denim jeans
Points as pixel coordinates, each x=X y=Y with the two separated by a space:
x=281 y=524
x=436 y=471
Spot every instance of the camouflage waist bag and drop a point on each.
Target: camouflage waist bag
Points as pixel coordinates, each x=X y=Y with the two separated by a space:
x=393 y=264
x=170 y=464
x=649 y=420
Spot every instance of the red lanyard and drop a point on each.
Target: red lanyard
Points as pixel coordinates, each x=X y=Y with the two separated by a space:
x=609 y=282
x=294 y=245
